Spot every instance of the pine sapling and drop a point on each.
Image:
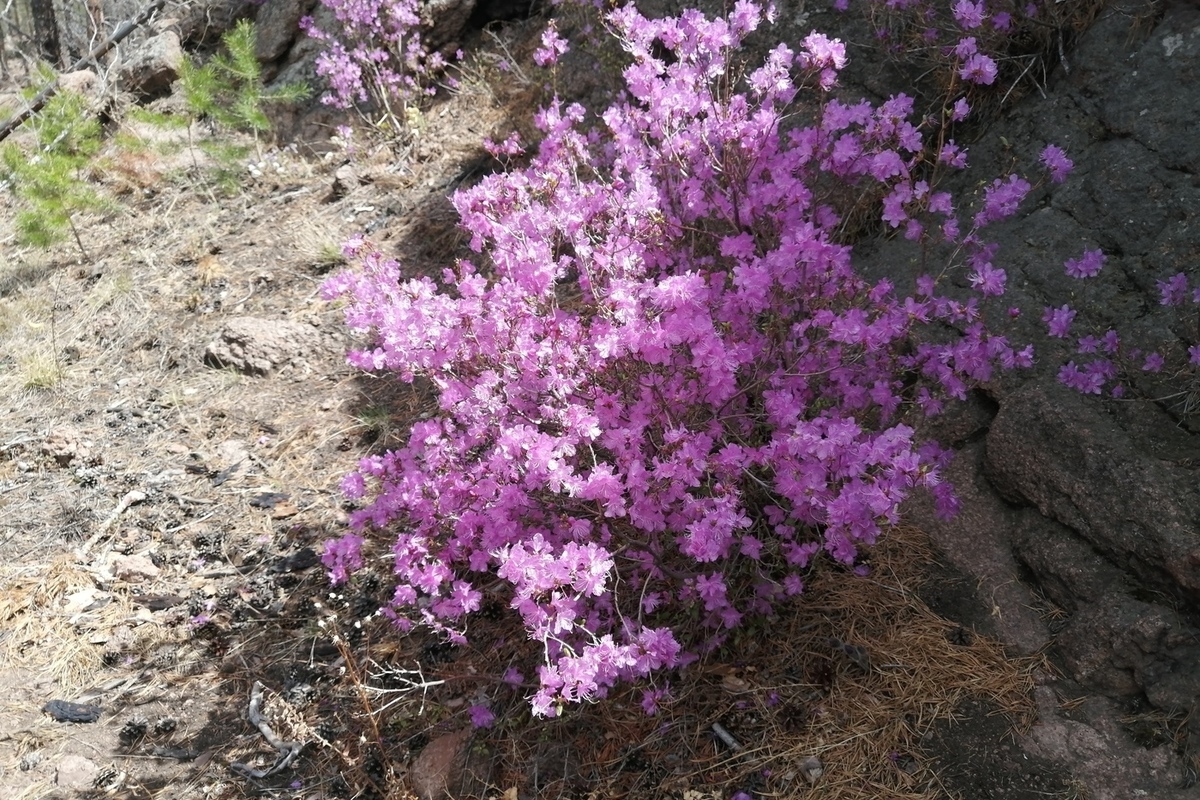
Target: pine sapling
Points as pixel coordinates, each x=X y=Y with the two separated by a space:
x=229 y=91
x=46 y=176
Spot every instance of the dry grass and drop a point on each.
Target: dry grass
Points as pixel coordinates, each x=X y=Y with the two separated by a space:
x=789 y=698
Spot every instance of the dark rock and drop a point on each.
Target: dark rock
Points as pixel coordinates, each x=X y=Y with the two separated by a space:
x=1154 y=96
x=1067 y=568
x=153 y=66
x=277 y=26
x=444 y=21
x=298 y=561
x=1062 y=453
x=64 y=711
x=1122 y=646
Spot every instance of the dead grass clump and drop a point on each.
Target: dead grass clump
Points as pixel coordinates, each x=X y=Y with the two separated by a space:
x=835 y=695
x=40 y=631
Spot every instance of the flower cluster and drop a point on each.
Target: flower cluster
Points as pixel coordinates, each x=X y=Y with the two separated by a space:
x=1109 y=352
x=965 y=41
x=376 y=56
x=663 y=387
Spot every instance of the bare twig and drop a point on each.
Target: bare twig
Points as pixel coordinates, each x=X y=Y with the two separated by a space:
x=43 y=97
x=129 y=499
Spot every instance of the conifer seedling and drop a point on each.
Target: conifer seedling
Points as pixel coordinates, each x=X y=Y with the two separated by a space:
x=46 y=174
x=229 y=91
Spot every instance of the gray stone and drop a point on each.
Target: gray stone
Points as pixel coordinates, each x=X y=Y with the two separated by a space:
x=1062 y=453
x=135 y=569
x=260 y=346
x=277 y=26
x=151 y=67
x=75 y=772
x=1105 y=764
x=81 y=81
x=1067 y=569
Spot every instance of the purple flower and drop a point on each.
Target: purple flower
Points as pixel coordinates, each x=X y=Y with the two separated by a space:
x=967 y=14
x=651 y=698
x=1079 y=380
x=343 y=556
x=1194 y=354
x=1153 y=363
x=1001 y=199
x=1174 y=290
x=1058 y=320
x=988 y=280
x=481 y=716
x=961 y=109
x=1086 y=266
x=979 y=69
x=619 y=439
x=1055 y=160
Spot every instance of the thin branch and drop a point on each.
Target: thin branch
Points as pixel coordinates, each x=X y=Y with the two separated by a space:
x=43 y=97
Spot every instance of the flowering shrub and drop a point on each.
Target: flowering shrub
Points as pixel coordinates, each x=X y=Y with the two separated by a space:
x=376 y=58
x=663 y=387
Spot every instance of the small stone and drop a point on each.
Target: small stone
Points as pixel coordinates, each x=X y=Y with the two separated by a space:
x=86 y=600
x=135 y=569
x=435 y=772
x=76 y=772
x=812 y=769
x=64 y=446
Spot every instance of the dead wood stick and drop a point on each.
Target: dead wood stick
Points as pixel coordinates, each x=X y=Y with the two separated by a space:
x=43 y=97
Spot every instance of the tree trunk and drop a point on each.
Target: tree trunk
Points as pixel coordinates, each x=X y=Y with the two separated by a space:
x=45 y=32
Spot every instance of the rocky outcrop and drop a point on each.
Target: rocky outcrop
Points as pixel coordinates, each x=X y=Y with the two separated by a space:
x=150 y=68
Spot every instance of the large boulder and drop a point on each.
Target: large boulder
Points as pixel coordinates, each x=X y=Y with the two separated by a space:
x=1124 y=484
x=151 y=67
x=278 y=25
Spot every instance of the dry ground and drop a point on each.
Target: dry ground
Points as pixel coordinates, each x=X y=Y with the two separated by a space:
x=151 y=567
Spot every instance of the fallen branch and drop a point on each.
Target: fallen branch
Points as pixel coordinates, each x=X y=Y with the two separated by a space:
x=287 y=750
x=129 y=499
x=39 y=101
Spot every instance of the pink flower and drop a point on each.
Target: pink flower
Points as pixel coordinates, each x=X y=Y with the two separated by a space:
x=1055 y=160
x=1086 y=266
x=552 y=47
x=1058 y=321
